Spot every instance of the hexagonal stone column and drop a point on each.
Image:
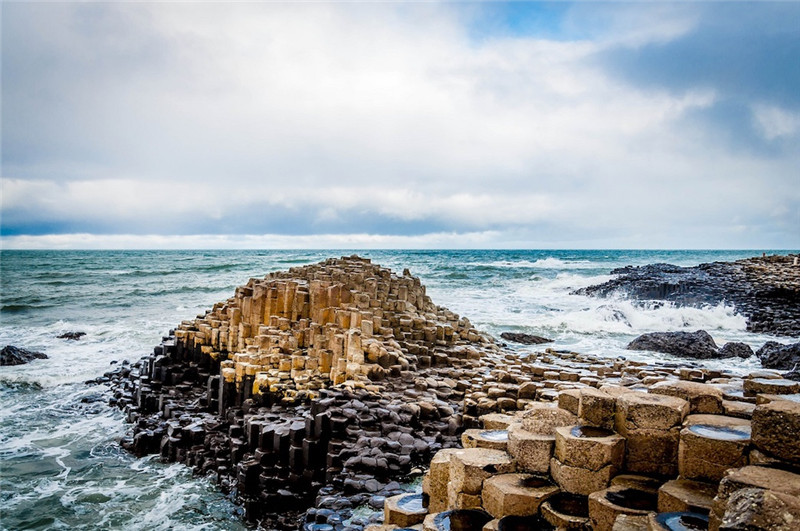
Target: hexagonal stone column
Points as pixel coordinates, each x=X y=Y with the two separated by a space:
x=543 y=419
x=606 y=505
x=776 y=429
x=597 y=408
x=469 y=467
x=702 y=398
x=532 y=451
x=456 y=519
x=651 y=425
x=567 y=511
x=494 y=439
x=435 y=482
x=515 y=494
x=586 y=458
x=683 y=495
x=404 y=510
x=712 y=444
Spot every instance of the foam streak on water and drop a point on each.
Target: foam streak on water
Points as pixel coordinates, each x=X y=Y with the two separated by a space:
x=62 y=467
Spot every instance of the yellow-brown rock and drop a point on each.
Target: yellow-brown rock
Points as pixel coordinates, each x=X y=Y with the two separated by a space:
x=404 y=510
x=589 y=447
x=702 y=398
x=543 y=418
x=494 y=439
x=776 y=429
x=567 y=511
x=437 y=479
x=531 y=451
x=710 y=445
x=515 y=494
x=606 y=505
x=683 y=495
x=642 y=411
x=583 y=481
x=596 y=408
x=469 y=467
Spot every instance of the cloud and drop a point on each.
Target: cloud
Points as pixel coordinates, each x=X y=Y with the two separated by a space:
x=597 y=123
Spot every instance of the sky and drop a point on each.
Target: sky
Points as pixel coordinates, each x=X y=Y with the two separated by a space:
x=401 y=125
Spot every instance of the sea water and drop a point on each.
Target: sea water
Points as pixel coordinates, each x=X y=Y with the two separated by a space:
x=61 y=466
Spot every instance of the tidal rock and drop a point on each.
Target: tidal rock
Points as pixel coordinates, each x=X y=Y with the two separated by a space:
x=525 y=339
x=698 y=345
x=739 y=350
x=11 y=355
x=774 y=355
x=72 y=335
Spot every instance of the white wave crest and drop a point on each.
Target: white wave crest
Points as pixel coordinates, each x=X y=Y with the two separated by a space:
x=625 y=317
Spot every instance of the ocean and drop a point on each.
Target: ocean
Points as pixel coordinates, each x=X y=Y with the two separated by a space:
x=61 y=466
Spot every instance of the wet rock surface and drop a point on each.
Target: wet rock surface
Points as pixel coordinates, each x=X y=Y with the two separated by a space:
x=774 y=355
x=11 y=355
x=764 y=289
x=314 y=396
x=698 y=345
x=74 y=336
x=524 y=339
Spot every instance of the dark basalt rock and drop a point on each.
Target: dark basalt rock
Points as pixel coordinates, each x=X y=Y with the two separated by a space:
x=698 y=345
x=774 y=355
x=72 y=335
x=766 y=289
x=735 y=350
x=525 y=339
x=11 y=355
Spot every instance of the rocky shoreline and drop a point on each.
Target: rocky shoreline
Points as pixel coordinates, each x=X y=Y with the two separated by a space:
x=319 y=396
x=764 y=289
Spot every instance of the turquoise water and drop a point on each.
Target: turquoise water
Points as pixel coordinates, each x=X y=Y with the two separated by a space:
x=61 y=464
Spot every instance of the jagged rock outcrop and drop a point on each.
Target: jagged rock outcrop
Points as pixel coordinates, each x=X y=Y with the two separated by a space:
x=74 y=336
x=698 y=345
x=735 y=350
x=764 y=289
x=524 y=339
x=11 y=355
x=774 y=355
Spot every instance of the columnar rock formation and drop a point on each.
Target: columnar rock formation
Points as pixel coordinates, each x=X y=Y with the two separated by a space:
x=316 y=392
x=342 y=321
x=677 y=457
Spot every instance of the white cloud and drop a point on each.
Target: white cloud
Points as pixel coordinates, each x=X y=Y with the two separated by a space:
x=174 y=112
x=442 y=240
x=774 y=122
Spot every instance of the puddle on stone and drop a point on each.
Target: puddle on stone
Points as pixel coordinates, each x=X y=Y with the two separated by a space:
x=411 y=503
x=683 y=521
x=461 y=520
x=535 y=482
x=590 y=431
x=721 y=433
x=570 y=504
x=495 y=435
x=523 y=523
x=635 y=499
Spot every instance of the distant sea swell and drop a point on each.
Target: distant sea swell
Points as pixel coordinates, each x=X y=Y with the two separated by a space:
x=62 y=467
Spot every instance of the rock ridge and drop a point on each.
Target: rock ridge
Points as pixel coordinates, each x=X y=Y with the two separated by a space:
x=764 y=289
